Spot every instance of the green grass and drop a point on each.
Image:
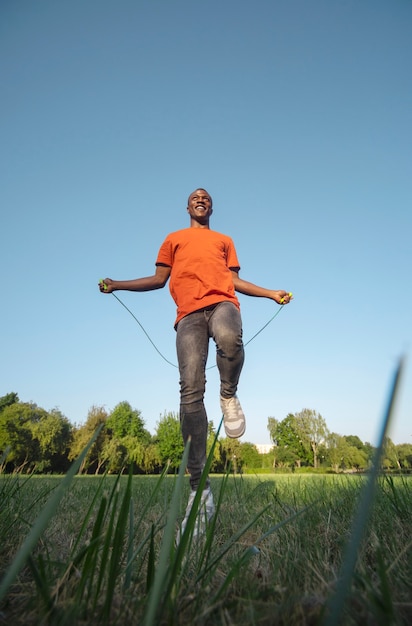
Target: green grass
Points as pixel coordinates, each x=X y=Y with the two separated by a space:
x=273 y=556
x=281 y=550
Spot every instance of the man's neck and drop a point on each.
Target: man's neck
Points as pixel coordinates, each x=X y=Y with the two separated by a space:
x=196 y=224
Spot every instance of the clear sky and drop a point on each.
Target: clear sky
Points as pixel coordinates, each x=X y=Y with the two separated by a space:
x=294 y=115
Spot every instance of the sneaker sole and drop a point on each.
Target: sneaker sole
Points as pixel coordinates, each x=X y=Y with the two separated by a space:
x=235 y=433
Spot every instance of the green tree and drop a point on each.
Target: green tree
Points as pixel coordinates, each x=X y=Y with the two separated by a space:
x=272 y=428
x=404 y=453
x=230 y=452
x=369 y=450
x=8 y=400
x=127 y=437
x=286 y=457
x=288 y=441
x=53 y=433
x=268 y=460
x=355 y=458
x=94 y=461
x=312 y=431
x=36 y=439
x=211 y=435
x=16 y=432
x=353 y=440
x=118 y=454
x=390 y=458
x=114 y=455
x=340 y=454
x=124 y=421
x=250 y=457
x=169 y=439
x=358 y=454
x=152 y=462
x=335 y=450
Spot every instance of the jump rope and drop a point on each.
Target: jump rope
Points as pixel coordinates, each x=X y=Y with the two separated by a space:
x=174 y=364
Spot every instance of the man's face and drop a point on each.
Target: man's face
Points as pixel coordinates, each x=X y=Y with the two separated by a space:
x=199 y=205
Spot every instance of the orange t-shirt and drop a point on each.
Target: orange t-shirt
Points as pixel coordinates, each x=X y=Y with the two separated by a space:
x=201 y=260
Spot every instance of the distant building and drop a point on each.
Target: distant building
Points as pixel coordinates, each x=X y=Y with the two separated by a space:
x=264 y=448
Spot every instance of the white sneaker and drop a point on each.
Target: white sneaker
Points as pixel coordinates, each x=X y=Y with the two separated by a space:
x=205 y=513
x=233 y=418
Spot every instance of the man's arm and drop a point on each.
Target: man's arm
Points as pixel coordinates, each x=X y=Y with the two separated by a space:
x=148 y=283
x=249 y=289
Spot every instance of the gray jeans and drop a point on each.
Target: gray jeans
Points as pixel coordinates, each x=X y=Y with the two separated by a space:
x=223 y=324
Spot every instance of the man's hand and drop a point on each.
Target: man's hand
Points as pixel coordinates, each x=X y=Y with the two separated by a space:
x=106 y=285
x=282 y=297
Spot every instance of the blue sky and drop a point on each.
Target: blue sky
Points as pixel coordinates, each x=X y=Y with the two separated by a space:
x=295 y=116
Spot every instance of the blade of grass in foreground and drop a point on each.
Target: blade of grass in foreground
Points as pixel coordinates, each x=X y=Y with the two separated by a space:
x=335 y=606
x=133 y=553
x=163 y=569
x=166 y=580
x=42 y=521
x=115 y=542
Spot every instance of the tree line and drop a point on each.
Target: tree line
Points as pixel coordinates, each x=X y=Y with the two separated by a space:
x=303 y=439
x=33 y=439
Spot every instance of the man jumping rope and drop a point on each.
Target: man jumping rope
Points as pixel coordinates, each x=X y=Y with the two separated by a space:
x=203 y=268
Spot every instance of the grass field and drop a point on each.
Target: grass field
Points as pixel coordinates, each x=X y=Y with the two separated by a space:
x=105 y=553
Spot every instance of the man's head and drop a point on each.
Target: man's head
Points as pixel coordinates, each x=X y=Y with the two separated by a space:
x=199 y=207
